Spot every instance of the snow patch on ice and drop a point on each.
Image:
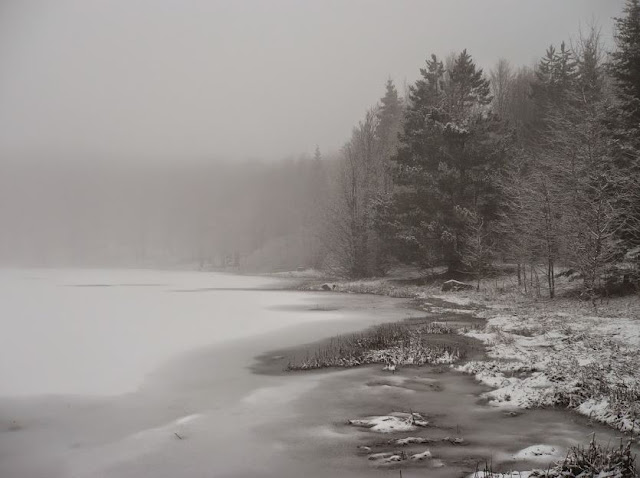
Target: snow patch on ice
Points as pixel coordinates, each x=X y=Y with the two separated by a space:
x=425 y=455
x=394 y=422
x=538 y=453
x=509 y=474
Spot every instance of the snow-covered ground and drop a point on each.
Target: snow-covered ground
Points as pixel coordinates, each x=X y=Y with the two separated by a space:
x=543 y=353
x=553 y=357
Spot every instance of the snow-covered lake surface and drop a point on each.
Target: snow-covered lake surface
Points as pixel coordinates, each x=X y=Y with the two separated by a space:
x=133 y=374
x=101 y=332
x=100 y=368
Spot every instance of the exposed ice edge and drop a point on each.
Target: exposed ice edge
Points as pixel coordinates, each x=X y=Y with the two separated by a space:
x=451 y=298
x=551 y=356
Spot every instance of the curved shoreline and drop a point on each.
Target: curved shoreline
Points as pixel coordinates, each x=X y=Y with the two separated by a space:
x=275 y=362
x=204 y=411
x=272 y=362
x=520 y=319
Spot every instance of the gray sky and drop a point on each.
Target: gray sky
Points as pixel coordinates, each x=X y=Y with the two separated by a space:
x=196 y=78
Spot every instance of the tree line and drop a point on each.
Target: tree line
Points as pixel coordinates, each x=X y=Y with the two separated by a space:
x=534 y=166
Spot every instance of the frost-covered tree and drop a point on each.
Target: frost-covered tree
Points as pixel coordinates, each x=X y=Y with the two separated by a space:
x=348 y=233
x=361 y=191
x=625 y=63
x=389 y=114
x=450 y=151
x=479 y=249
x=502 y=79
x=565 y=193
x=624 y=67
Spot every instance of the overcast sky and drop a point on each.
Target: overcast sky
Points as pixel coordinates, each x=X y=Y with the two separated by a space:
x=203 y=78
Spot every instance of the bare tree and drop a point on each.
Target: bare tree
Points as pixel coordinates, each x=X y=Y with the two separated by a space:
x=478 y=250
x=349 y=232
x=502 y=83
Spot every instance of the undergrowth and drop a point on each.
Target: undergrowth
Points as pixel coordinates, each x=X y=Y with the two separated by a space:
x=390 y=344
x=591 y=461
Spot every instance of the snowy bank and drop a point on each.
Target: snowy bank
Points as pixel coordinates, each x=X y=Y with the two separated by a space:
x=589 y=364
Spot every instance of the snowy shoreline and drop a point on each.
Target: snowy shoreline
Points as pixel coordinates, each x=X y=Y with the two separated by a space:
x=540 y=353
x=585 y=363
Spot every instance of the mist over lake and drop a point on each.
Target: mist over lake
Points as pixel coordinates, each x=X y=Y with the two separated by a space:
x=354 y=238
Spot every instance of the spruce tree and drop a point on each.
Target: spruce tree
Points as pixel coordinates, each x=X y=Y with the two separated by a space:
x=389 y=115
x=410 y=213
x=625 y=62
x=467 y=87
x=447 y=161
x=556 y=75
x=624 y=67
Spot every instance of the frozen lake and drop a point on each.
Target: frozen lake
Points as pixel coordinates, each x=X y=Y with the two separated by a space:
x=133 y=374
x=99 y=369
x=101 y=332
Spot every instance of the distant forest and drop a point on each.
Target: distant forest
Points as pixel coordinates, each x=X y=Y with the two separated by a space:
x=535 y=166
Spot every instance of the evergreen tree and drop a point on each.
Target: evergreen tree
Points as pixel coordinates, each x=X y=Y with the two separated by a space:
x=390 y=115
x=590 y=74
x=405 y=220
x=466 y=87
x=389 y=125
x=625 y=62
x=555 y=77
x=448 y=157
x=624 y=67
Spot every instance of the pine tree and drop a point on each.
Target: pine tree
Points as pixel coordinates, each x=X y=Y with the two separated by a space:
x=389 y=125
x=589 y=65
x=555 y=77
x=447 y=160
x=625 y=62
x=624 y=67
x=389 y=114
x=467 y=87
x=405 y=219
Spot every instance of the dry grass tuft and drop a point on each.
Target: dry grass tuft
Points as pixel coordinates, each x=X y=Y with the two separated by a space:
x=404 y=343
